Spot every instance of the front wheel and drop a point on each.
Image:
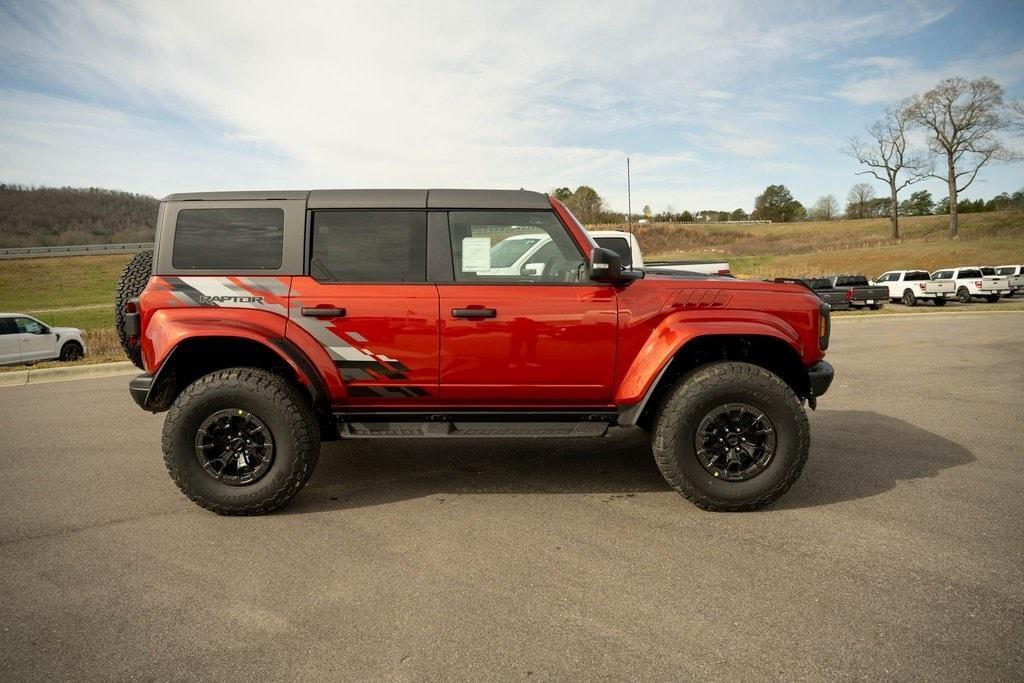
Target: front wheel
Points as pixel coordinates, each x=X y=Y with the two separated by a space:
x=963 y=295
x=71 y=350
x=241 y=441
x=731 y=437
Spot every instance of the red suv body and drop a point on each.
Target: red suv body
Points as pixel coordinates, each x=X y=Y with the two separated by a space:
x=395 y=313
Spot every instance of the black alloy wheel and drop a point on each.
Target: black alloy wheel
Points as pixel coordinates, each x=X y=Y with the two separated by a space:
x=735 y=442
x=234 y=447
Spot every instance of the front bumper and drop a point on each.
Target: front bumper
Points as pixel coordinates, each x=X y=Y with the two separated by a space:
x=819 y=378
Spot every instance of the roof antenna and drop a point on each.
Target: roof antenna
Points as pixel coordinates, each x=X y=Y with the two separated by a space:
x=629 y=214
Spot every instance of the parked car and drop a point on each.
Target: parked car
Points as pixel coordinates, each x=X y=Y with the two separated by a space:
x=266 y=322
x=1016 y=275
x=971 y=283
x=910 y=286
x=24 y=339
x=835 y=298
x=858 y=291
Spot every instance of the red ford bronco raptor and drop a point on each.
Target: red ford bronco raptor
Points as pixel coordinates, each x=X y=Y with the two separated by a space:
x=268 y=322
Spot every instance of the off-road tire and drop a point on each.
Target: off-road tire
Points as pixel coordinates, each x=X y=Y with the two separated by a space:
x=285 y=411
x=992 y=298
x=71 y=350
x=938 y=301
x=963 y=295
x=908 y=298
x=133 y=280
x=702 y=390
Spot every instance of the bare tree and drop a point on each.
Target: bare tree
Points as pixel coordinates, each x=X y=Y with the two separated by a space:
x=887 y=157
x=859 y=200
x=962 y=119
x=825 y=208
x=1017 y=114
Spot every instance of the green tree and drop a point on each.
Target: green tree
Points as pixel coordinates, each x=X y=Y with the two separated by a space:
x=738 y=215
x=776 y=204
x=686 y=217
x=562 y=194
x=918 y=204
x=586 y=204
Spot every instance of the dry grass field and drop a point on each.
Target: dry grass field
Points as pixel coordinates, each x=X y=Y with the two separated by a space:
x=840 y=246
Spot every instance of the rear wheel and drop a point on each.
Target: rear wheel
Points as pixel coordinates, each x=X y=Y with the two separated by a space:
x=241 y=441
x=963 y=295
x=71 y=350
x=992 y=298
x=908 y=298
x=939 y=301
x=131 y=283
x=731 y=437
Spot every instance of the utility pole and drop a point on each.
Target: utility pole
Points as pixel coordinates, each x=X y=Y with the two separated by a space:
x=629 y=212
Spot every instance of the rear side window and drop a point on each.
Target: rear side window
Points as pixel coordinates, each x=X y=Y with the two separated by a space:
x=619 y=245
x=369 y=246
x=229 y=239
x=915 y=276
x=7 y=326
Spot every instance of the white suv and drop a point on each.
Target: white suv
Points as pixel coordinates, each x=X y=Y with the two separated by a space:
x=24 y=339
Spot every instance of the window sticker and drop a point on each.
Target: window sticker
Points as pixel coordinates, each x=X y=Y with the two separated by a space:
x=476 y=254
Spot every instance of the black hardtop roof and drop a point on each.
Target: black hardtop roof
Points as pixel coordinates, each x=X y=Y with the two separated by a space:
x=384 y=199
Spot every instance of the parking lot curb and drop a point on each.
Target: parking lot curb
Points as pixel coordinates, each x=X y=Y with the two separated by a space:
x=41 y=375
x=917 y=316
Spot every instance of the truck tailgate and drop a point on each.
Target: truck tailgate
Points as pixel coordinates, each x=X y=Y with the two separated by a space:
x=994 y=283
x=939 y=286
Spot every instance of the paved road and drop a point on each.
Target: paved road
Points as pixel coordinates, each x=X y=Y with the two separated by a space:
x=900 y=554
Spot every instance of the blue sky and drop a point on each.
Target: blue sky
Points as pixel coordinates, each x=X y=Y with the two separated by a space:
x=711 y=100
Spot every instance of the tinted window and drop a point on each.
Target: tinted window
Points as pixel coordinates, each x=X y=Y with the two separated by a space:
x=229 y=239
x=942 y=275
x=851 y=281
x=480 y=239
x=369 y=246
x=7 y=326
x=915 y=276
x=988 y=271
x=619 y=245
x=28 y=326
x=969 y=273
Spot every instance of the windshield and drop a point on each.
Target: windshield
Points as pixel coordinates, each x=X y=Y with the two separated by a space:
x=506 y=252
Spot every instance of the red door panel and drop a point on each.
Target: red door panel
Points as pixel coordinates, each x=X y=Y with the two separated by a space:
x=385 y=345
x=546 y=345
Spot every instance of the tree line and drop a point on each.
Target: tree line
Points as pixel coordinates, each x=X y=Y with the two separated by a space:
x=47 y=216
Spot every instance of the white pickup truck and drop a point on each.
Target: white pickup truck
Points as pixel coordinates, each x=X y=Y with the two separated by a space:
x=526 y=255
x=626 y=245
x=24 y=339
x=911 y=286
x=972 y=283
x=1016 y=275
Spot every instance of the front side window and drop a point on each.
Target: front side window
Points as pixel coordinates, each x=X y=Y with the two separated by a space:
x=513 y=246
x=886 y=277
x=28 y=326
x=229 y=239
x=369 y=246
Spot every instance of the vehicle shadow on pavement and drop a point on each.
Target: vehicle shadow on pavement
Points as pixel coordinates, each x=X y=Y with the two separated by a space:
x=854 y=454
x=858 y=453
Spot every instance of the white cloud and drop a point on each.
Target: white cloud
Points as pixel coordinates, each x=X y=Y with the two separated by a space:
x=357 y=94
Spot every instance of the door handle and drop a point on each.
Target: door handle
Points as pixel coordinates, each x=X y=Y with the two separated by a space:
x=474 y=313
x=321 y=312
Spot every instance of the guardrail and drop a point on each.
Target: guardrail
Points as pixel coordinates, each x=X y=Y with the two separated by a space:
x=73 y=250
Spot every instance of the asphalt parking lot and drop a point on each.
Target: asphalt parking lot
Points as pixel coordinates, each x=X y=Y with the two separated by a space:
x=899 y=554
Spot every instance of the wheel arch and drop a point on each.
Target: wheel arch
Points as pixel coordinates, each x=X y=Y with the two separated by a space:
x=196 y=356
x=767 y=351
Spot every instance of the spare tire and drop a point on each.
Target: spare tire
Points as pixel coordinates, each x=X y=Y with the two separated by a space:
x=131 y=283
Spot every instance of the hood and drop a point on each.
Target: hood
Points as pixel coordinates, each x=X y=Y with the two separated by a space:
x=67 y=331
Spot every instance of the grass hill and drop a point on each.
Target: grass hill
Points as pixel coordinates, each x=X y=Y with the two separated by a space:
x=843 y=246
x=45 y=216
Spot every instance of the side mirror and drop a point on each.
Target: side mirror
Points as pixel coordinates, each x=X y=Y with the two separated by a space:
x=43 y=329
x=606 y=266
